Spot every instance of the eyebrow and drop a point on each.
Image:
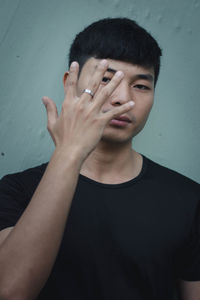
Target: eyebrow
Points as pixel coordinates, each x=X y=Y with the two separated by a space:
x=147 y=77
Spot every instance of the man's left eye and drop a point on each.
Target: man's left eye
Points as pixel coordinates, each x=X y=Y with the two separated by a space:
x=141 y=87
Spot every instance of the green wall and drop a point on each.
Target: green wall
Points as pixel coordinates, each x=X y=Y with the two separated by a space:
x=34 y=41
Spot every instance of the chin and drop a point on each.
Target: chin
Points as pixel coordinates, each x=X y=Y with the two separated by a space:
x=114 y=139
x=118 y=137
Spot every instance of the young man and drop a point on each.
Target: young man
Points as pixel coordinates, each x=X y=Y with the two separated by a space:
x=101 y=221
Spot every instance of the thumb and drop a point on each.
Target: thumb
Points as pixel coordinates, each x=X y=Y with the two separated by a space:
x=52 y=113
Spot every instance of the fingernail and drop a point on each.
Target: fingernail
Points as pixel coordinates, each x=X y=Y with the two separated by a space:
x=103 y=62
x=73 y=64
x=119 y=74
x=131 y=103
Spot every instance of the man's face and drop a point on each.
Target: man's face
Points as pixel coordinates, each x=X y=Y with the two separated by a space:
x=137 y=85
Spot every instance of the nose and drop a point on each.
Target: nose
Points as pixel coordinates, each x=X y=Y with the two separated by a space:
x=121 y=94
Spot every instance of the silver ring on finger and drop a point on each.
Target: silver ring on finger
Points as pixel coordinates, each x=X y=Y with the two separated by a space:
x=88 y=91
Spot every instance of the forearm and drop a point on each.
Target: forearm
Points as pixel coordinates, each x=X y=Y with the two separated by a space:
x=28 y=253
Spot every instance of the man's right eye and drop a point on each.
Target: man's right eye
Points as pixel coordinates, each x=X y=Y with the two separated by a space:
x=106 y=79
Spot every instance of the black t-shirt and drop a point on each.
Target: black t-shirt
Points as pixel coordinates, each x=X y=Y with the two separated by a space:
x=122 y=241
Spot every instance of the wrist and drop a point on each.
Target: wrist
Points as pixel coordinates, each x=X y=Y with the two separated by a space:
x=66 y=157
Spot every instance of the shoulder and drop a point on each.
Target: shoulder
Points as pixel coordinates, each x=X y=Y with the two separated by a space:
x=26 y=180
x=171 y=179
x=16 y=191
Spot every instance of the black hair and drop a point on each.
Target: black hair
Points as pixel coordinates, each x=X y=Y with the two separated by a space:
x=116 y=38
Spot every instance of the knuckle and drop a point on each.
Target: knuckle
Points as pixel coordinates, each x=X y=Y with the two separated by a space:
x=101 y=67
x=65 y=106
x=114 y=81
x=95 y=119
x=49 y=126
x=95 y=85
x=105 y=92
x=80 y=107
x=71 y=82
x=53 y=107
x=115 y=113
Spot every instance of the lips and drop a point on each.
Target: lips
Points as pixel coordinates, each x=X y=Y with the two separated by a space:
x=121 y=121
x=123 y=118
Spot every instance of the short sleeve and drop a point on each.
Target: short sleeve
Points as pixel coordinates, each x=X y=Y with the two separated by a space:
x=12 y=199
x=190 y=258
x=16 y=191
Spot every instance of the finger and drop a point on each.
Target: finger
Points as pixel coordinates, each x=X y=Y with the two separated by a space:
x=119 y=110
x=51 y=109
x=71 y=80
x=96 y=79
x=105 y=92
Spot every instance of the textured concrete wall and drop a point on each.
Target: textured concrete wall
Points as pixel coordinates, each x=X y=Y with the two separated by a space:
x=34 y=40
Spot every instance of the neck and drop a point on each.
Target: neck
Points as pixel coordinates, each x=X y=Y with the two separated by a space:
x=113 y=163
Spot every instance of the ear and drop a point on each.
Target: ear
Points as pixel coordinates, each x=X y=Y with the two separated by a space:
x=65 y=78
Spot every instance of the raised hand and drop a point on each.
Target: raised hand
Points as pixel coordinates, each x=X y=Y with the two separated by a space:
x=81 y=123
